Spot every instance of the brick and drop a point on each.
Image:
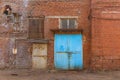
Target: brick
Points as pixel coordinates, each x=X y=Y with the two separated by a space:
x=53 y=8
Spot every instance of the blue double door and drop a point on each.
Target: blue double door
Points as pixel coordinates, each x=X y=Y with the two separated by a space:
x=68 y=53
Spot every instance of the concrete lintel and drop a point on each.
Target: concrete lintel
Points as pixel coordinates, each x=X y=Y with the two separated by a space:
x=43 y=41
x=61 y=16
x=110 y=12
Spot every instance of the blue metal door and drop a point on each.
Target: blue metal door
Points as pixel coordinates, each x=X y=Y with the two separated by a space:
x=68 y=51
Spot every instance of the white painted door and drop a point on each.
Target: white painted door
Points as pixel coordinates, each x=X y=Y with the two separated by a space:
x=39 y=56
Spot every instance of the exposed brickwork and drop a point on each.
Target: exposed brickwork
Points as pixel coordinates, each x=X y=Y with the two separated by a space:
x=79 y=8
x=24 y=55
x=4 y=49
x=100 y=39
x=8 y=38
x=105 y=35
x=64 y=9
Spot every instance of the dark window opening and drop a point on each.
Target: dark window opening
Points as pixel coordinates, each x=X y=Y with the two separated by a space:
x=68 y=23
x=64 y=23
x=7 y=10
x=72 y=23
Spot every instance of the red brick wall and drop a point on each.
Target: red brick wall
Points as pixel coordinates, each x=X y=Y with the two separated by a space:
x=105 y=35
x=79 y=8
x=105 y=22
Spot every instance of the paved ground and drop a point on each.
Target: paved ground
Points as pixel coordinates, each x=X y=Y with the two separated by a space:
x=57 y=75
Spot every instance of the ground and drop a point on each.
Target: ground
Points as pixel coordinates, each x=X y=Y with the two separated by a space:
x=21 y=74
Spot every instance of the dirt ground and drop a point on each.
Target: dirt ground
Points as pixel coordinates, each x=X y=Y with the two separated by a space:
x=20 y=74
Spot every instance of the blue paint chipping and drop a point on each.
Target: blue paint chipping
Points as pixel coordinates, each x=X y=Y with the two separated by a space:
x=68 y=51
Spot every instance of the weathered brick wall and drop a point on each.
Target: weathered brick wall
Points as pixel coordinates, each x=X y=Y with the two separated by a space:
x=105 y=31
x=105 y=35
x=8 y=37
x=50 y=9
x=24 y=55
x=4 y=49
x=79 y=9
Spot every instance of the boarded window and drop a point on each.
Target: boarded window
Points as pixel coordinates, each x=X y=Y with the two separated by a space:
x=36 y=28
x=68 y=23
